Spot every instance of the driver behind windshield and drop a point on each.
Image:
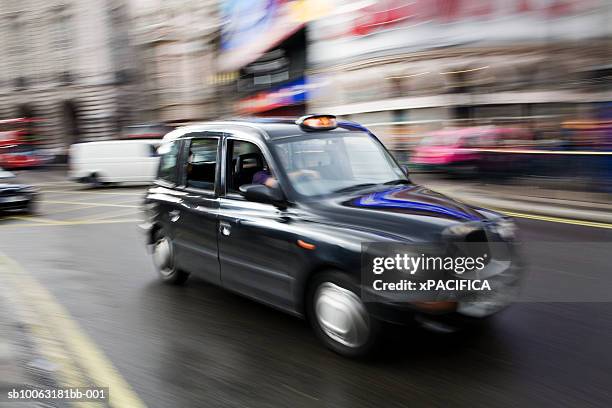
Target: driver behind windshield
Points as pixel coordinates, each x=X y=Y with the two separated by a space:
x=326 y=163
x=266 y=178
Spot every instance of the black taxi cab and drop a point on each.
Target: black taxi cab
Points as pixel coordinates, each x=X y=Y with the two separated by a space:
x=277 y=210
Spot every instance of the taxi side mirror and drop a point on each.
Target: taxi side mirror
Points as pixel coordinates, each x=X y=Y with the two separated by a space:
x=405 y=170
x=261 y=194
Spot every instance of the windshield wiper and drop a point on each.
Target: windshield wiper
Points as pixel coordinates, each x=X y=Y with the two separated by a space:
x=354 y=187
x=398 y=181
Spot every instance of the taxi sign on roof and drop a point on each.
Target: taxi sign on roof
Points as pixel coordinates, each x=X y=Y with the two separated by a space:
x=317 y=122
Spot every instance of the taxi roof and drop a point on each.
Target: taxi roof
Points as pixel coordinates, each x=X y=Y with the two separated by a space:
x=266 y=128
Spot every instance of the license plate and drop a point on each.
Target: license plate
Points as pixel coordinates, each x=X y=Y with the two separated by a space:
x=480 y=309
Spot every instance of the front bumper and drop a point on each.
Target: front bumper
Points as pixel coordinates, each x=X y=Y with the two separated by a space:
x=455 y=310
x=439 y=316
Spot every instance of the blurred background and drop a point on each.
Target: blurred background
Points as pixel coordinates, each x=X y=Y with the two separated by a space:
x=481 y=88
x=503 y=104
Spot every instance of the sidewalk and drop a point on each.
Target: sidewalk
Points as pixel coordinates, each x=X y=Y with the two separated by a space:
x=20 y=363
x=523 y=198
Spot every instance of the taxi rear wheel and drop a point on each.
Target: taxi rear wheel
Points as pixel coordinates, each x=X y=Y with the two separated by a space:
x=163 y=258
x=338 y=315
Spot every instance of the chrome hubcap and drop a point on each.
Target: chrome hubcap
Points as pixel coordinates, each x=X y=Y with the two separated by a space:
x=341 y=315
x=162 y=255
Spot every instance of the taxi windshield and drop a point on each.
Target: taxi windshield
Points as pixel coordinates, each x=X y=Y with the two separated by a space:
x=326 y=163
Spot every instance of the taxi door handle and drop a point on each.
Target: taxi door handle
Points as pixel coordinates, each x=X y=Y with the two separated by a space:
x=174 y=215
x=225 y=228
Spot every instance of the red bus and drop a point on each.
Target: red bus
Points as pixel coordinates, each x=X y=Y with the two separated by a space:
x=17 y=147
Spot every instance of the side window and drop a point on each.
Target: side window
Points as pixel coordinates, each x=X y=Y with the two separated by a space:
x=167 y=165
x=202 y=163
x=247 y=165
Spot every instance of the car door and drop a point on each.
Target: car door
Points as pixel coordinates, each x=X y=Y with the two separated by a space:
x=254 y=249
x=164 y=198
x=195 y=218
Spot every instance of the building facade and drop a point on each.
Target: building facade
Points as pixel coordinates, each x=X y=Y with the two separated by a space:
x=68 y=64
x=176 y=43
x=262 y=57
x=407 y=67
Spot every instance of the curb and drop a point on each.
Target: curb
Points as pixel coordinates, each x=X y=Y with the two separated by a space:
x=21 y=364
x=523 y=205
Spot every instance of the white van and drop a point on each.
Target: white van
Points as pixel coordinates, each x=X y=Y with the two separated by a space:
x=114 y=161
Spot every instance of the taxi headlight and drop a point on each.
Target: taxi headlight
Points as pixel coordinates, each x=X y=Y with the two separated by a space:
x=461 y=230
x=506 y=229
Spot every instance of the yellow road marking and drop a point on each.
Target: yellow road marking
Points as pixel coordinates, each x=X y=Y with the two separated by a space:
x=92 y=199
x=584 y=223
x=76 y=222
x=81 y=192
x=58 y=320
x=84 y=207
x=48 y=345
x=70 y=209
x=106 y=216
x=32 y=218
x=88 y=204
x=35 y=219
x=556 y=219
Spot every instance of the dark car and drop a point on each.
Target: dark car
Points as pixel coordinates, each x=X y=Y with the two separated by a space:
x=277 y=210
x=16 y=197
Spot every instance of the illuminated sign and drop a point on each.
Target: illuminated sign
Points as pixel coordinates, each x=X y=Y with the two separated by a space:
x=294 y=93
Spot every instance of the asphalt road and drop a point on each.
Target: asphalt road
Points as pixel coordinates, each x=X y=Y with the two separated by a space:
x=198 y=345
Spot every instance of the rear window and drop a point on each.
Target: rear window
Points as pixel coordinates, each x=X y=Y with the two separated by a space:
x=167 y=165
x=202 y=163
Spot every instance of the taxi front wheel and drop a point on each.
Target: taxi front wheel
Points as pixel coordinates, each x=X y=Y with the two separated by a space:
x=163 y=258
x=338 y=315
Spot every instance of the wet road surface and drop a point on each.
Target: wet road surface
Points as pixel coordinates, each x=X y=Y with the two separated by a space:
x=199 y=345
